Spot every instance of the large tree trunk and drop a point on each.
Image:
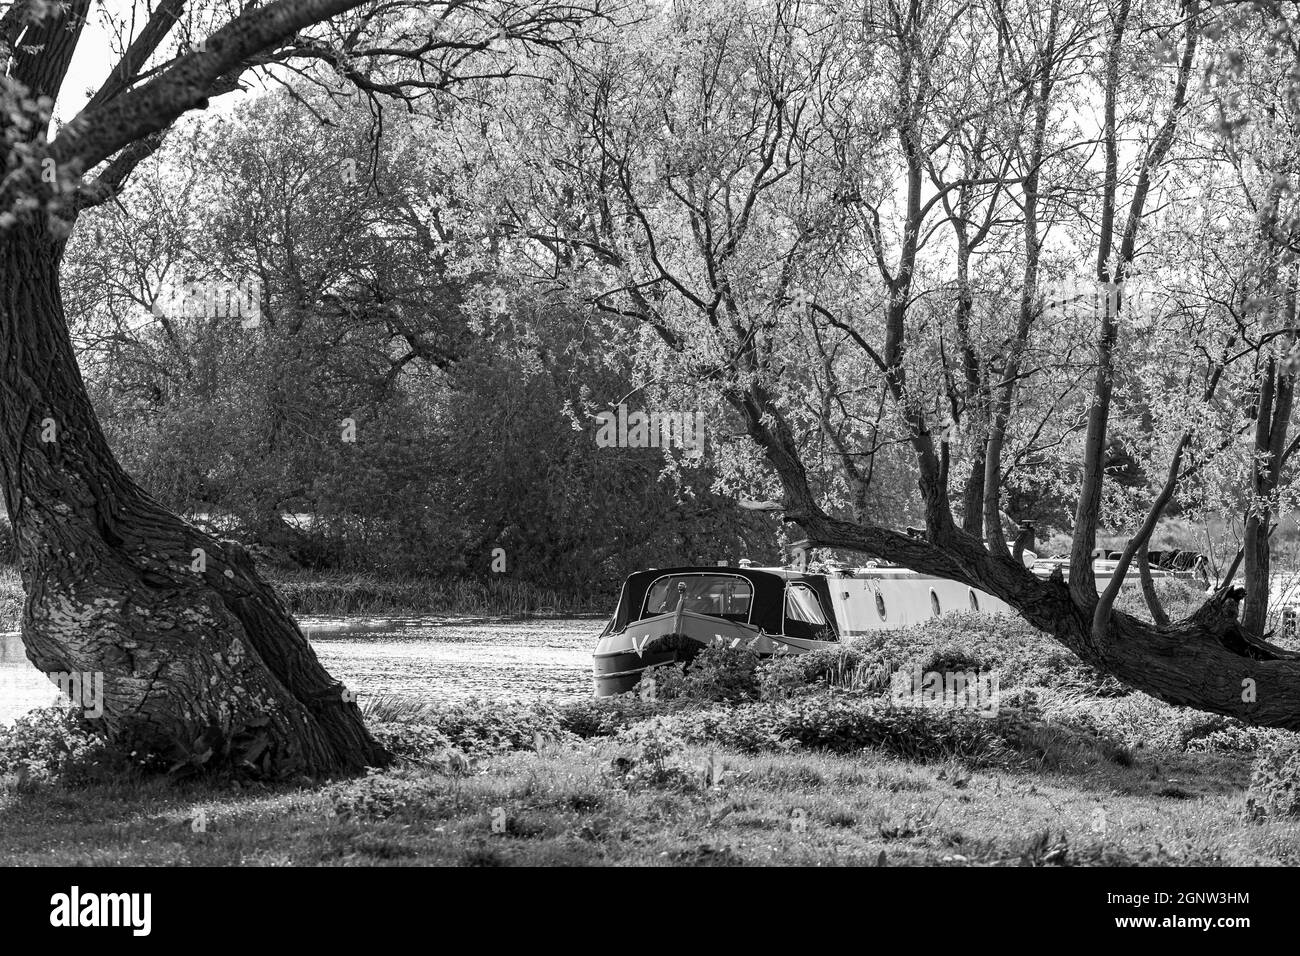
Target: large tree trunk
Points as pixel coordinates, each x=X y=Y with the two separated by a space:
x=196 y=651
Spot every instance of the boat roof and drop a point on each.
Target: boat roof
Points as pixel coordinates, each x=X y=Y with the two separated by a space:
x=768 y=600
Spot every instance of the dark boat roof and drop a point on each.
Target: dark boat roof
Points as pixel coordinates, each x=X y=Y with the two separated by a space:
x=769 y=593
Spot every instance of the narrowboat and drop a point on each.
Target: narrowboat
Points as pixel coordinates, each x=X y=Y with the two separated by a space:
x=668 y=615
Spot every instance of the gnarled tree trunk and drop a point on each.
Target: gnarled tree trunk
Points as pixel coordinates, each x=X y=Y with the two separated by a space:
x=196 y=651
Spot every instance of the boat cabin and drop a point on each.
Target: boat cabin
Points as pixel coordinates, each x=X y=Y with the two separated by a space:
x=775 y=601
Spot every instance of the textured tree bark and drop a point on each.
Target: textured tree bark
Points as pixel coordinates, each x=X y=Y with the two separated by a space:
x=197 y=652
x=1149 y=586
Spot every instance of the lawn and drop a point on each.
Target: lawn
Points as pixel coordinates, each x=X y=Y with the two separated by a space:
x=569 y=805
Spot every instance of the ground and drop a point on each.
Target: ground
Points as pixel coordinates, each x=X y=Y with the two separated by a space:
x=567 y=805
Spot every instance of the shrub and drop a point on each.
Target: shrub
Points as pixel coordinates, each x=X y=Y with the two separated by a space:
x=848 y=668
x=412 y=741
x=1275 y=781
x=1140 y=720
x=603 y=716
x=1019 y=653
x=380 y=796
x=56 y=743
x=717 y=673
x=655 y=756
x=477 y=728
x=920 y=733
x=844 y=724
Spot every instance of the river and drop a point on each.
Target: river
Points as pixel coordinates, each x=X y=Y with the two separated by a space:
x=426 y=658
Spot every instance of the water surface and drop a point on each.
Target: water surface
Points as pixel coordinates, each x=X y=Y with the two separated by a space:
x=426 y=658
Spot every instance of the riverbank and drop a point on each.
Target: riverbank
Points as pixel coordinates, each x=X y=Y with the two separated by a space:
x=334 y=594
x=804 y=760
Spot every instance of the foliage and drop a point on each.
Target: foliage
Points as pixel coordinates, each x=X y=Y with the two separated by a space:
x=382 y=796
x=57 y=743
x=1275 y=781
x=654 y=755
x=476 y=728
x=458 y=384
x=716 y=673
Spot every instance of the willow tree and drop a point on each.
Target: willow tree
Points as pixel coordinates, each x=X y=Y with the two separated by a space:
x=740 y=178
x=198 y=655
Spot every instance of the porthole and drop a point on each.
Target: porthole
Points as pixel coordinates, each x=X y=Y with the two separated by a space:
x=974 y=600
x=935 y=610
x=880 y=605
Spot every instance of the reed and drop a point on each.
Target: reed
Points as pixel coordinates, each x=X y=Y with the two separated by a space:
x=329 y=594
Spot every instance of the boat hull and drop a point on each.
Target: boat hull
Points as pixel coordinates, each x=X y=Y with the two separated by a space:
x=623 y=657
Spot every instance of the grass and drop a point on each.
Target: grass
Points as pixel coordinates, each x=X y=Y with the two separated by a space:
x=567 y=805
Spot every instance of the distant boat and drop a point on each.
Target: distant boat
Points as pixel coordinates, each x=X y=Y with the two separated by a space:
x=669 y=615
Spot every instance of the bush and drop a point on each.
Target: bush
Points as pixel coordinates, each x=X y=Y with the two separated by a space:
x=56 y=743
x=1138 y=720
x=477 y=728
x=381 y=796
x=604 y=716
x=412 y=742
x=1020 y=655
x=656 y=756
x=1275 y=782
x=850 y=668
x=717 y=673
x=843 y=724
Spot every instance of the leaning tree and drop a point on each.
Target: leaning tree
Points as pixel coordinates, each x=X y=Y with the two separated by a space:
x=199 y=657
x=738 y=180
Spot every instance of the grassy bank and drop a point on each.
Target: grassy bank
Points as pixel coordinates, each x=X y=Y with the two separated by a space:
x=566 y=805
x=331 y=594
x=802 y=760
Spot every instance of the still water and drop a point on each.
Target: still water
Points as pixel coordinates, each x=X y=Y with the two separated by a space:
x=427 y=658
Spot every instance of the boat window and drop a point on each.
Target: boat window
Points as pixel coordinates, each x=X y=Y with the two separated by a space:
x=801 y=604
x=880 y=605
x=935 y=610
x=720 y=595
x=974 y=600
